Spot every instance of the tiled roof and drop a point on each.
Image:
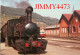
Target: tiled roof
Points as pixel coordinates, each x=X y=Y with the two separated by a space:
x=67 y=16
x=53 y=26
x=78 y=11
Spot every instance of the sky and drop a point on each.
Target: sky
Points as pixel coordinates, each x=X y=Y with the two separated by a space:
x=54 y=13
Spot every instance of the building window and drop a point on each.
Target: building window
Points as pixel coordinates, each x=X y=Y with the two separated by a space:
x=74 y=29
x=54 y=32
x=65 y=30
x=79 y=29
x=76 y=19
x=57 y=31
x=46 y=32
x=51 y=32
x=62 y=30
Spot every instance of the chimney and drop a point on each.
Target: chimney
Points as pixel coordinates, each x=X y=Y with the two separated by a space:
x=29 y=11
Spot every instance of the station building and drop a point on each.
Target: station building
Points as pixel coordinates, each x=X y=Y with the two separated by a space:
x=74 y=24
x=52 y=30
x=68 y=26
x=64 y=25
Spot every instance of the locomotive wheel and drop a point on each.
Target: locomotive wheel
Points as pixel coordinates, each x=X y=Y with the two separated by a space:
x=12 y=42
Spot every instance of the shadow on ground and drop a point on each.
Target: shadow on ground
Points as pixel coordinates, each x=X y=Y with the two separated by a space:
x=35 y=52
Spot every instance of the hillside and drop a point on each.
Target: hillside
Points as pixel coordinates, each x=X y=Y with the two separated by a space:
x=20 y=12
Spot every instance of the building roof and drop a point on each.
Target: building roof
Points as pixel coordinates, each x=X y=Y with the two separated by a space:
x=66 y=17
x=53 y=26
x=42 y=27
x=78 y=11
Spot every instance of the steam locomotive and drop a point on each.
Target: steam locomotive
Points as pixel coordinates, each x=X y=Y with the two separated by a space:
x=23 y=34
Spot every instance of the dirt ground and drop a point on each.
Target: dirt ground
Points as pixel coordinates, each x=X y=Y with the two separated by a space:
x=54 y=47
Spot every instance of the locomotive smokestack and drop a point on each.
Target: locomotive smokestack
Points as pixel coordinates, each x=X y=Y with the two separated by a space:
x=29 y=11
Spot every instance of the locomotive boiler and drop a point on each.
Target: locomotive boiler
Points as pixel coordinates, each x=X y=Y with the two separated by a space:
x=23 y=34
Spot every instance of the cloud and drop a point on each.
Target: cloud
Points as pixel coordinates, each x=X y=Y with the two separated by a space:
x=22 y=4
x=16 y=3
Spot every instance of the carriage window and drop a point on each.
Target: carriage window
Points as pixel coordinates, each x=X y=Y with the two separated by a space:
x=74 y=29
